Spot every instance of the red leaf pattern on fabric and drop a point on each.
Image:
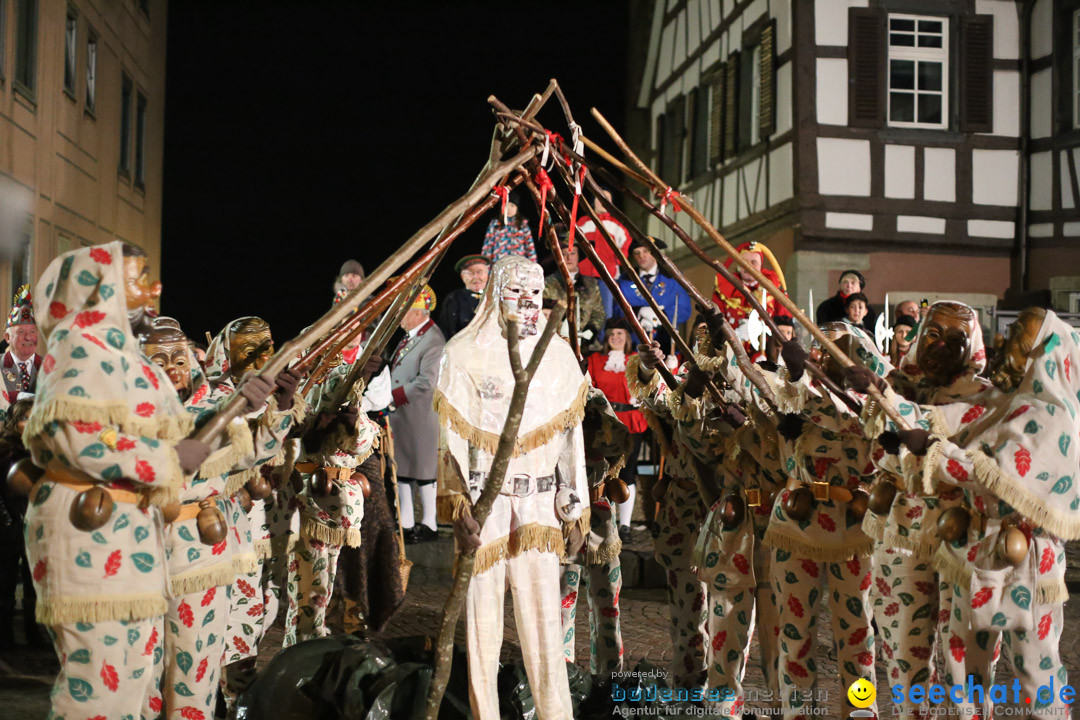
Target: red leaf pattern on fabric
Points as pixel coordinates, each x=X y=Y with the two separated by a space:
x=1046 y=563
x=982 y=597
x=239 y=644
x=112 y=565
x=865 y=581
x=883 y=587
x=805 y=648
x=796 y=669
x=149 y=648
x=570 y=600
x=866 y=658
x=853 y=566
x=1044 y=626
x=858 y=636
x=40 y=569
x=149 y=374
x=245 y=587
x=255 y=610
x=809 y=567
x=48 y=364
x=186 y=615
x=973 y=414
x=144 y=409
x=145 y=471
x=58 y=310
x=85 y=427
x=218 y=548
x=1018 y=412
x=826 y=522
x=201 y=670
x=956 y=647
x=109 y=677
x=192 y=713
x=89 y=317
x=739 y=561
x=125 y=444
x=208 y=596
x=155 y=704
x=795 y=606
x=100 y=256
x=718 y=641
x=1023 y=461
x=956 y=470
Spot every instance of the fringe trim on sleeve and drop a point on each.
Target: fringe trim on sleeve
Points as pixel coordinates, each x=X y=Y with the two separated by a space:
x=489 y=441
x=710 y=363
x=222 y=573
x=238 y=479
x=311 y=530
x=638 y=389
x=66 y=610
x=451 y=506
x=792 y=395
x=958 y=572
x=920 y=546
x=239 y=445
x=1066 y=525
x=605 y=553
x=614 y=468
x=583 y=525
x=685 y=408
x=780 y=540
x=873 y=526
x=533 y=536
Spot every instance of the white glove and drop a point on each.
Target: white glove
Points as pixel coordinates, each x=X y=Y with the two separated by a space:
x=648 y=319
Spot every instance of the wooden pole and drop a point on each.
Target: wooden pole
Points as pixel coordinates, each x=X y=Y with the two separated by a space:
x=444 y=648
x=235 y=405
x=658 y=185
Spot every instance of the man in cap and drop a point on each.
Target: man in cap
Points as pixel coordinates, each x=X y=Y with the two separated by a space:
x=669 y=295
x=349 y=276
x=20 y=362
x=590 y=305
x=459 y=306
x=414 y=368
x=834 y=309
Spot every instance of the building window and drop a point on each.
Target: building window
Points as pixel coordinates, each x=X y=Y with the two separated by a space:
x=918 y=71
x=1076 y=67
x=71 y=30
x=126 y=89
x=699 y=139
x=755 y=96
x=22 y=261
x=91 y=70
x=140 y=140
x=26 y=46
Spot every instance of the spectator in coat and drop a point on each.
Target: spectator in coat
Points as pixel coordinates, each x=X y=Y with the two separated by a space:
x=414 y=368
x=459 y=306
x=509 y=234
x=834 y=309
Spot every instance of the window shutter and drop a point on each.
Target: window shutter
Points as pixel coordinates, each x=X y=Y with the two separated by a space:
x=767 y=112
x=867 y=74
x=677 y=132
x=731 y=105
x=716 y=117
x=976 y=89
x=660 y=138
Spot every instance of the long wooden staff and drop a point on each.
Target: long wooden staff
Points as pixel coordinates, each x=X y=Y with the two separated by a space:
x=482 y=508
x=235 y=405
x=631 y=272
x=658 y=185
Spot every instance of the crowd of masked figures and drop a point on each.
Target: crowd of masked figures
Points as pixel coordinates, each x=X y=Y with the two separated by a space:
x=924 y=502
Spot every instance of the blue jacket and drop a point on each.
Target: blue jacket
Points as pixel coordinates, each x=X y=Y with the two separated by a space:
x=668 y=294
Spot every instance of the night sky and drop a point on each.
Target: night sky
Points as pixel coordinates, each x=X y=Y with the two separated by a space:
x=301 y=134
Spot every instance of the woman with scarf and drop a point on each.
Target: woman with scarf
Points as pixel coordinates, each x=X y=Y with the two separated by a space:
x=607 y=370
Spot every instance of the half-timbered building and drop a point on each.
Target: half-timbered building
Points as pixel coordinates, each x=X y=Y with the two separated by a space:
x=930 y=144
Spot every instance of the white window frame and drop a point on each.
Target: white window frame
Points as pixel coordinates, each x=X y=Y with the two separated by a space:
x=1076 y=67
x=918 y=54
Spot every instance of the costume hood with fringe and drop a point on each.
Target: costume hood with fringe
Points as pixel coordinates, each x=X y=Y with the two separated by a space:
x=476 y=382
x=910 y=381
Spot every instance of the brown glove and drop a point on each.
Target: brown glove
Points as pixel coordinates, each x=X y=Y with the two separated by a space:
x=348 y=416
x=794 y=356
x=859 y=378
x=372 y=366
x=790 y=425
x=917 y=440
x=287 y=381
x=651 y=355
x=695 y=382
x=889 y=442
x=714 y=320
x=191 y=454
x=467 y=532
x=255 y=389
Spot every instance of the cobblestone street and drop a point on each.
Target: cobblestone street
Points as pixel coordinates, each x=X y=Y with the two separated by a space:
x=26 y=676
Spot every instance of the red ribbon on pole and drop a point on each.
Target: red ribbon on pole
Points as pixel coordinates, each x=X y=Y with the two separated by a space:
x=545 y=184
x=503 y=193
x=573 y=210
x=670 y=196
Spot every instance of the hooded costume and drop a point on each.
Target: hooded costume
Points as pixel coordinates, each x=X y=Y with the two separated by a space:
x=105 y=417
x=260 y=571
x=327 y=522
x=906 y=539
x=1015 y=455
x=522 y=539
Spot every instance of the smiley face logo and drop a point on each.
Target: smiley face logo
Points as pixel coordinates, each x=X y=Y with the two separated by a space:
x=862 y=693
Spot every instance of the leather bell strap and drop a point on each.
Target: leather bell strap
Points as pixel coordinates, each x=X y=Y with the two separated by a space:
x=822 y=490
x=334 y=473
x=80 y=482
x=187 y=512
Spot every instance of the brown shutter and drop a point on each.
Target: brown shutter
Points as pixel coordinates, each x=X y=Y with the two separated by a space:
x=731 y=105
x=867 y=74
x=677 y=130
x=767 y=112
x=716 y=118
x=976 y=91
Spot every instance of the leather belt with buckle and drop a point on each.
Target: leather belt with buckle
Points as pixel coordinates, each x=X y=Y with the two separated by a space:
x=821 y=490
x=341 y=474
